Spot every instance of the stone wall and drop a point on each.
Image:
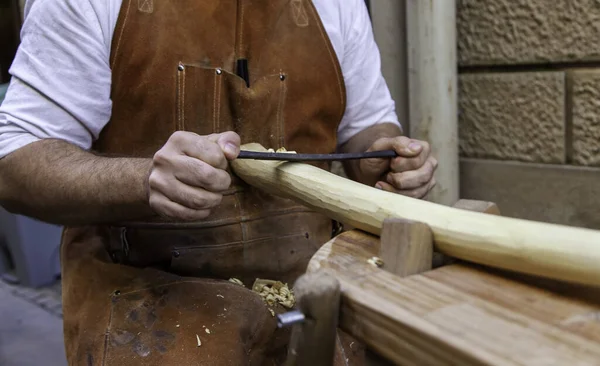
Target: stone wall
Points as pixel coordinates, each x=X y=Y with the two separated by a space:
x=529 y=104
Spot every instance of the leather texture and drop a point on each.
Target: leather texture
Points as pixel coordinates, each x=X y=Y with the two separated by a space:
x=144 y=292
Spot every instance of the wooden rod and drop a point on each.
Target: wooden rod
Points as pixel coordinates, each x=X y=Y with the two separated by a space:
x=554 y=251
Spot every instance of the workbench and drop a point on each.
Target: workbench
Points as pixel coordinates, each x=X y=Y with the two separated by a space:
x=425 y=284
x=409 y=313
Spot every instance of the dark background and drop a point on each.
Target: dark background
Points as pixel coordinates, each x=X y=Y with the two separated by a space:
x=10 y=23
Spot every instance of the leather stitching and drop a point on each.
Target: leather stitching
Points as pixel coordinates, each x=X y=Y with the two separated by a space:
x=121 y=34
x=332 y=57
x=214 y=112
x=182 y=125
x=241 y=29
x=280 y=121
x=107 y=337
x=218 y=97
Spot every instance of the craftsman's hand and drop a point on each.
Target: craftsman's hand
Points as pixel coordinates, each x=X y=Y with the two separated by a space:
x=189 y=174
x=409 y=174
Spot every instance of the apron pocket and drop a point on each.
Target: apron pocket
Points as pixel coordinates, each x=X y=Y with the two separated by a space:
x=212 y=100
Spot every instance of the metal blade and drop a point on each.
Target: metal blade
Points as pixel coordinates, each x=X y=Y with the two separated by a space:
x=260 y=155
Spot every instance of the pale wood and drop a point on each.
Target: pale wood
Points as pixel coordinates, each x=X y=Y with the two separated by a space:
x=313 y=342
x=433 y=90
x=478 y=206
x=555 y=251
x=458 y=315
x=471 y=205
x=406 y=247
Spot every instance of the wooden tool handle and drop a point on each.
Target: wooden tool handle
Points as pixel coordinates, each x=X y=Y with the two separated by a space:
x=554 y=251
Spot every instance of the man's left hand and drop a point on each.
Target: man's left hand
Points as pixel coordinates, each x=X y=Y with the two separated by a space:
x=410 y=174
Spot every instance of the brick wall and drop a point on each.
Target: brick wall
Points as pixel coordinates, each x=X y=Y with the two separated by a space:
x=529 y=104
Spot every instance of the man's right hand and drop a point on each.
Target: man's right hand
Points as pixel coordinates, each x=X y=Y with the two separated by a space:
x=188 y=174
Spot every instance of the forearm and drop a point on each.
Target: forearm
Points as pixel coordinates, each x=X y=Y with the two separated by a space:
x=57 y=182
x=361 y=143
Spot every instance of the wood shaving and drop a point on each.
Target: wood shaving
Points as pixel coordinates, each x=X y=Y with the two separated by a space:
x=272 y=312
x=273 y=292
x=376 y=261
x=207 y=331
x=236 y=281
x=283 y=150
x=221 y=296
x=198 y=339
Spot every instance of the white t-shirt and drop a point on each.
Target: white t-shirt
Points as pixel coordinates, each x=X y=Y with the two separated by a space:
x=61 y=76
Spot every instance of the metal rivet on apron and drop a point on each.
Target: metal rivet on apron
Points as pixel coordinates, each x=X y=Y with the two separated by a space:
x=175 y=253
x=180 y=67
x=117 y=293
x=281 y=77
x=219 y=71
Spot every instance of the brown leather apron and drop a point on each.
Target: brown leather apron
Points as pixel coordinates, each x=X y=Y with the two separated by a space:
x=146 y=292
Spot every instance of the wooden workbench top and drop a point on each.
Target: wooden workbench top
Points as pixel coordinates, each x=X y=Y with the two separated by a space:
x=461 y=314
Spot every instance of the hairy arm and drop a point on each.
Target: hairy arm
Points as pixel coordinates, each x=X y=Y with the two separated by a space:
x=57 y=182
x=361 y=142
x=410 y=174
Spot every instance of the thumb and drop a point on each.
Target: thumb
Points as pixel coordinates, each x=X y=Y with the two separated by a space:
x=229 y=142
x=403 y=145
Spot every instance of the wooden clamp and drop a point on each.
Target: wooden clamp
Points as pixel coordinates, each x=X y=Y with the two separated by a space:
x=312 y=341
x=406 y=246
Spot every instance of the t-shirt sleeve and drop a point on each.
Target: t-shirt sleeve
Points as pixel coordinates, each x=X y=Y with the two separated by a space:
x=368 y=99
x=60 y=86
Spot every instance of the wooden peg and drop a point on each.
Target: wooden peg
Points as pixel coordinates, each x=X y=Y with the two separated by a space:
x=312 y=342
x=406 y=247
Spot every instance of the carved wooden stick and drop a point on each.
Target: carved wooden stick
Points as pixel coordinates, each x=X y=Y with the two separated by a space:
x=554 y=251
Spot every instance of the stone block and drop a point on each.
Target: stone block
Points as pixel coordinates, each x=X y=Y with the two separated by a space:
x=584 y=96
x=558 y=194
x=513 y=116
x=527 y=31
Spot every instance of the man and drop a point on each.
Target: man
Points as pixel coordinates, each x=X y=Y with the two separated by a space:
x=119 y=123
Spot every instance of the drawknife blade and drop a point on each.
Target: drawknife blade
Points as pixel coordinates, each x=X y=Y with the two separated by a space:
x=260 y=155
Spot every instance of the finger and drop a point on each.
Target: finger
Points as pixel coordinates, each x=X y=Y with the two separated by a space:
x=229 y=143
x=200 y=147
x=183 y=194
x=172 y=210
x=401 y=144
x=401 y=164
x=197 y=173
x=413 y=178
x=386 y=187
x=419 y=193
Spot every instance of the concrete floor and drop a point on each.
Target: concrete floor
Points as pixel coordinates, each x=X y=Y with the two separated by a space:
x=31 y=326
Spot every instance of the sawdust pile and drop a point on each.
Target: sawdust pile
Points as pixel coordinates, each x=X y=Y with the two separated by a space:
x=272 y=292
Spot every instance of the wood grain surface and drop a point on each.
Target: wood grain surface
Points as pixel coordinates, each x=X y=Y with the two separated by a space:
x=554 y=251
x=460 y=314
